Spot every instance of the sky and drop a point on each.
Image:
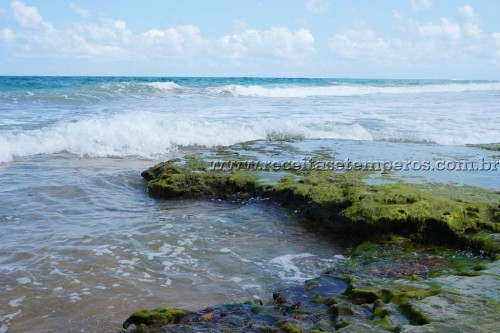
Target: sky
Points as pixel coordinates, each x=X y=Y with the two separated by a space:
x=415 y=39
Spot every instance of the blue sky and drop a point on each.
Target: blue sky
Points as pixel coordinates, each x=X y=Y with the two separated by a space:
x=273 y=38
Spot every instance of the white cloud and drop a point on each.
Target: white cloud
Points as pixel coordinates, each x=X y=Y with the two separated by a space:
x=276 y=42
x=468 y=12
x=240 y=24
x=108 y=31
x=83 y=12
x=182 y=40
x=437 y=41
x=363 y=43
x=26 y=16
x=473 y=30
x=317 y=6
x=111 y=39
x=8 y=35
x=443 y=29
x=472 y=21
x=495 y=36
x=34 y=36
x=418 y=5
x=108 y=38
x=396 y=14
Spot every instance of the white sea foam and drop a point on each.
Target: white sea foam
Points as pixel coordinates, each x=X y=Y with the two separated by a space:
x=16 y=302
x=236 y=279
x=23 y=280
x=164 y=85
x=290 y=270
x=6 y=319
x=102 y=250
x=149 y=135
x=346 y=90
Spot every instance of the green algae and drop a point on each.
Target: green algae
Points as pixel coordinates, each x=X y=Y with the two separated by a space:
x=368 y=303
x=361 y=296
x=169 y=180
x=405 y=293
x=291 y=328
x=486 y=146
x=324 y=300
x=387 y=275
x=156 y=317
x=386 y=323
x=344 y=203
x=415 y=316
x=342 y=324
x=381 y=311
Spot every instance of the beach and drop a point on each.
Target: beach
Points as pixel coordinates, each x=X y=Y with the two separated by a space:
x=85 y=244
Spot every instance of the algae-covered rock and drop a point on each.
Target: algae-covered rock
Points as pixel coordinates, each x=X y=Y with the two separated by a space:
x=370 y=296
x=487 y=146
x=361 y=296
x=388 y=283
x=291 y=328
x=168 y=181
x=156 y=317
x=344 y=203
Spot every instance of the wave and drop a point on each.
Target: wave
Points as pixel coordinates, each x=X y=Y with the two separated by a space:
x=92 y=93
x=150 y=135
x=236 y=90
x=86 y=93
x=164 y=86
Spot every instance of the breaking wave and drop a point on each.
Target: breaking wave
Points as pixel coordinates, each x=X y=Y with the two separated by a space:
x=347 y=90
x=167 y=89
x=149 y=135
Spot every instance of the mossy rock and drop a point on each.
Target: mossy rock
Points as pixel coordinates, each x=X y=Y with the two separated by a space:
x=156 y=317
x=342 y=324
x=291 y=328
x=414 y=315
x=343 y=203
x=386 y=323
x=361 y=296
x=486 y=146
x=169 y=181
x=404 y=293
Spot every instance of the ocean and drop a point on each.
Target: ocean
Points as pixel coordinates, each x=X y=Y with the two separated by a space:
x=83 y=245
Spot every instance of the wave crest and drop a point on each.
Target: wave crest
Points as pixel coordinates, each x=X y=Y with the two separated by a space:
x=235 y=90
x=148 y=135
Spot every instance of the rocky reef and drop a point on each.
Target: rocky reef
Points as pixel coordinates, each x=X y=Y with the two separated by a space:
x=406 y=274
x=487 y=146
x=344 y=203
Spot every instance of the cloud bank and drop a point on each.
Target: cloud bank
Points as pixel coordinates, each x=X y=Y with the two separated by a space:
x=28 y=35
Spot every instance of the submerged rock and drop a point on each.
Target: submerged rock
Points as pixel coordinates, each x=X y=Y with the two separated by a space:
x=352 y=297
x=486 y=146
x=344 y=203
x=156 y=317
x=389 y=283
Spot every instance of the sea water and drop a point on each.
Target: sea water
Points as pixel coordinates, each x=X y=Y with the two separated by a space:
x=83 y=245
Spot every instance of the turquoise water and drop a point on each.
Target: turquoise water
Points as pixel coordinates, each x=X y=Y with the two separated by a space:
x=83 y=245
x=148 y=117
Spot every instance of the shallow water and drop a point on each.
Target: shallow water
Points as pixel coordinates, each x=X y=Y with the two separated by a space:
x=83 y=246
x=147 y=117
